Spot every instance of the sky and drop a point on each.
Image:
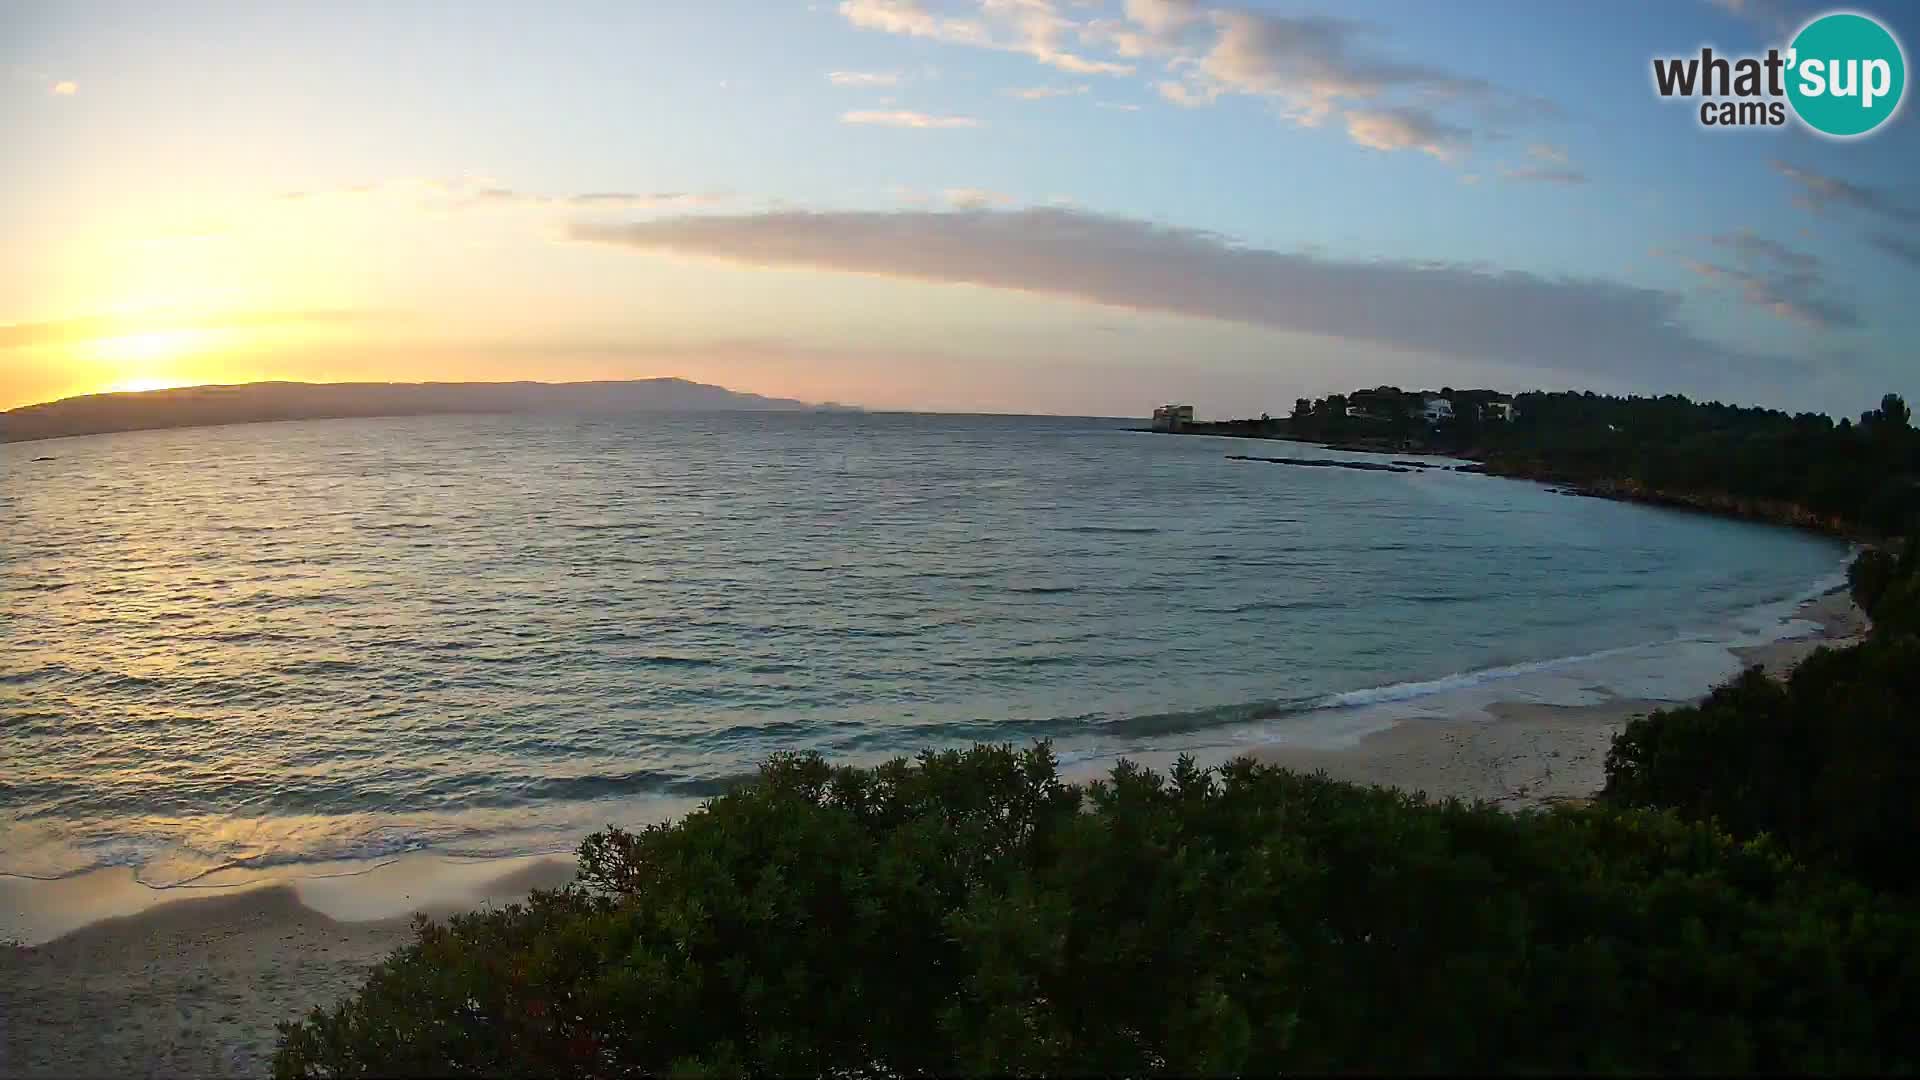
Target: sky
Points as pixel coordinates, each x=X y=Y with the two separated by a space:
x=1084 y=207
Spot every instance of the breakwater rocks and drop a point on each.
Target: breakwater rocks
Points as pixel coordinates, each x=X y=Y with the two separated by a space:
x=1364 y=466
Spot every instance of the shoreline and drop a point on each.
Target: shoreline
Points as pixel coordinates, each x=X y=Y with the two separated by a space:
x=1523 y=754
x=1711 y=504
x=126 y=978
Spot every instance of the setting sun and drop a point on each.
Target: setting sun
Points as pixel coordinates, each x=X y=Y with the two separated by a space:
x=136 y=386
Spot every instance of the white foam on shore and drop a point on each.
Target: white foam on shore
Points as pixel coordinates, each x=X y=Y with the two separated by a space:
x=36 y=910
x=1676 y=670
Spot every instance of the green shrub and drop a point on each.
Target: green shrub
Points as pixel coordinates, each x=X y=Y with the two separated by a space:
x=1826 y=762
x=1886 y=584
x=969 y=913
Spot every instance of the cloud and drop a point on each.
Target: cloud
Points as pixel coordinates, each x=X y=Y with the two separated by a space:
x=1757 y=248
x=1897 y=229
x=906 y=119
x=1777 y=279
x=1312 y=67
x=1555 y=167
x=1314 y=63
x=1900 y=247
x=592 y=200
x=629 y=200
x=1407 y=128
x=476 y=192
x=1151 y=28
x=1185 y=96
x=976 y=198
x=1538 y=174
x=1583 y=325
x=1032 y=28
x=1820 y=192
x=1535 y=175
x=1776 y=16
x=64 y=88
x=1119 y=106
x=1041 y=93
x=864 y=78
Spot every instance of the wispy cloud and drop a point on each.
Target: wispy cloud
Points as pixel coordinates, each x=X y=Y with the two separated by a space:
x=1312 y=68
x=1774 y=16
x=1407 y=128
x=904 y=118
x=477 y=192
x=1041 y=93
x=1900 y=247
x=1896 y=221
x=1818 y=191
x=968 y=198
x=1553 y=168
x=864 y=78
x=1589 y=326
x=1032 y=28
x=1780 y=280
x=64 y=88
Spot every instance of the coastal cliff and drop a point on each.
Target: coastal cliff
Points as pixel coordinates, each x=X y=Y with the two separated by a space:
x=1750 y=508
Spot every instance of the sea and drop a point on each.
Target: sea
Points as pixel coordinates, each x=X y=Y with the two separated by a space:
x=286 y=644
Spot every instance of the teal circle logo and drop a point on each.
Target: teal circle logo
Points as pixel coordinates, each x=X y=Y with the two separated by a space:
x=1846 y=74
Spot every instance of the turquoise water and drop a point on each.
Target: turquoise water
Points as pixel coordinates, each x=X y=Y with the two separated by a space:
x=273 y=644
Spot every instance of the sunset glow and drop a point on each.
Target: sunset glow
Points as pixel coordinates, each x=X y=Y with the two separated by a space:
x=152 y=346
x=953 y=205
x=137 y=386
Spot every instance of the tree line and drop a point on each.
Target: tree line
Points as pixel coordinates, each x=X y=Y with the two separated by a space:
x=1848 y=476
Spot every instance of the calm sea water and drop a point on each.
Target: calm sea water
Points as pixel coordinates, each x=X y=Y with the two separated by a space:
x=280 y=643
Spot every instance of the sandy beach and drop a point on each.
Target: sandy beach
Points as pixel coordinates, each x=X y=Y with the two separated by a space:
x=193 y=987
x=1530 y=755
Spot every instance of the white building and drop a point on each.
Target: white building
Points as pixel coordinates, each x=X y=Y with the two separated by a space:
x=1172 y=417
x=1436 y=409
x=1497 y=410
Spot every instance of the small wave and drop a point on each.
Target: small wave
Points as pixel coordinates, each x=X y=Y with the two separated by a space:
x=1406 y=691
x=1183 y=722
x=1267 y=605
x=1108 y=530
x=1046 y=661
x=319 y=667
x=591 y=786
x=669 y=660
x=1045 y=590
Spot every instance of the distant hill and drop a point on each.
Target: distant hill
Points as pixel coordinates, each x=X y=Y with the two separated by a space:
x=200 y=406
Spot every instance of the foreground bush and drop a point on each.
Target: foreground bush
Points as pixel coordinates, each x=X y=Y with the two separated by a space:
x=1886 y=584
x=1826 y=762
x=965 y=914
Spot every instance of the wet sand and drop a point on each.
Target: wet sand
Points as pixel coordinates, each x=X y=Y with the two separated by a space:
x=1526 y=754
x=193 y=987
